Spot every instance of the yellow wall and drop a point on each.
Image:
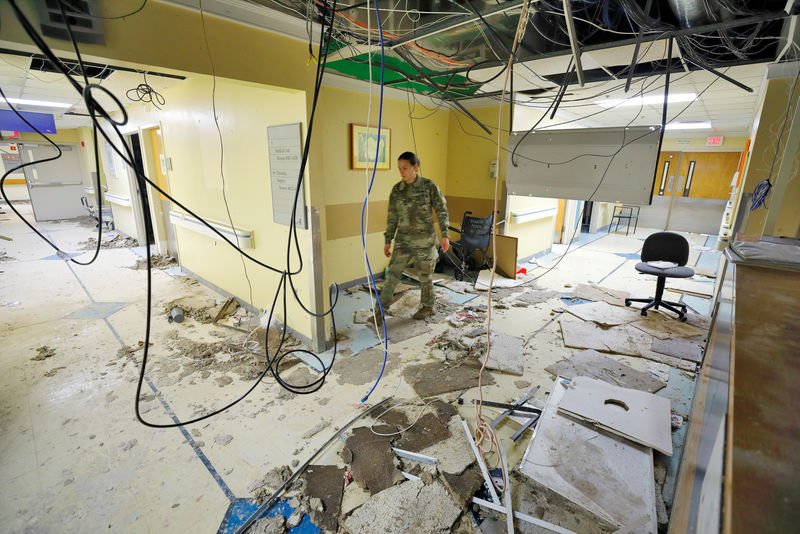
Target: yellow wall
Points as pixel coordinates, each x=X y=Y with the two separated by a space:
x=190 y=139
x=533 y=236
x=603 y=214
x=344 y=188
x=470 y=154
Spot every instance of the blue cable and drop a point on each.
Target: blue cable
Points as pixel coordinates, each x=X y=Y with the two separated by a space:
x=760 y=194
x=363 y=209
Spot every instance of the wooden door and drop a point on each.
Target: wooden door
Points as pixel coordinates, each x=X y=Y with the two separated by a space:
x=668 y=163
x=708 y=174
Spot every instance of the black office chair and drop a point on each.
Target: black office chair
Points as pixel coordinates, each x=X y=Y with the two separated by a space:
x=664 y=246
x=476 y=232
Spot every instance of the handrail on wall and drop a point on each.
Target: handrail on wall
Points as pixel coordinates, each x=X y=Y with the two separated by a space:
x=243 y=235
x=535 y=214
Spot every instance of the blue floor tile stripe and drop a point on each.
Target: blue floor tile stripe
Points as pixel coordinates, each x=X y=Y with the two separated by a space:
x=203 y=458
x=240 y=511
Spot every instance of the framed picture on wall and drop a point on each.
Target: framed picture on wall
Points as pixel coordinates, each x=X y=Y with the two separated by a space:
x=364 y=144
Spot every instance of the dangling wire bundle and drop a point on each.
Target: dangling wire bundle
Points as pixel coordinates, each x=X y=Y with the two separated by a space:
x=760 y=195
x=144 y=92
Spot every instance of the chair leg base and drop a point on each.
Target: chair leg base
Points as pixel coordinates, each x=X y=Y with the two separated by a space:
x=675 y=307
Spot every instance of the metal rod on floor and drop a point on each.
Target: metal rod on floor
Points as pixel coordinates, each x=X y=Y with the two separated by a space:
x=278 y=492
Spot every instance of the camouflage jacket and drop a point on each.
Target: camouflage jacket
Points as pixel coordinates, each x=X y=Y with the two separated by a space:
x=410 y=220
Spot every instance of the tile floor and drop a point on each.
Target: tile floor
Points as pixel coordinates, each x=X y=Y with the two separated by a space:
x=73 y=457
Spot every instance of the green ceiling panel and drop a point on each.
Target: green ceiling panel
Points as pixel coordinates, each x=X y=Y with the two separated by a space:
x=400 y=74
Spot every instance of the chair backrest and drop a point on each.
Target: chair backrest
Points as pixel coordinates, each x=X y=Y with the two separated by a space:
x=476 y=232
x=666 y=246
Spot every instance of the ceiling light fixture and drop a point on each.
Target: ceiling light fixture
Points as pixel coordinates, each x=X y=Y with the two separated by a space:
x=704 y=125
x=647 y=100
x=40 y=103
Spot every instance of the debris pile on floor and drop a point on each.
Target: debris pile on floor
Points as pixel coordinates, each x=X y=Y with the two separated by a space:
x=157 y=261
x=116 y=241
x=43 y=352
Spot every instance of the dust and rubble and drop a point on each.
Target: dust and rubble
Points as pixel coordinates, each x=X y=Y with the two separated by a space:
x=157 y=261
x=116 y=241
x=43 y=352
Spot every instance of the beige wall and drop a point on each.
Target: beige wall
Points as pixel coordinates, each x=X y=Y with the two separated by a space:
x=533 y=236
x=763 y=150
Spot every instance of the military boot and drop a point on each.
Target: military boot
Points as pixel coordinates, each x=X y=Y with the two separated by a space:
x=423 y=312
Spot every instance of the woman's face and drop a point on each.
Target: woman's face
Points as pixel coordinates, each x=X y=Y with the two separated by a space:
x=408 y=172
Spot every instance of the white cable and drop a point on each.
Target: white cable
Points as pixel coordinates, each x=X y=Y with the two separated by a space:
x=405 y=403
x=366 y=184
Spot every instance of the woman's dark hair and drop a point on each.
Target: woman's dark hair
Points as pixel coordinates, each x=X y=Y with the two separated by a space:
x=409 y=157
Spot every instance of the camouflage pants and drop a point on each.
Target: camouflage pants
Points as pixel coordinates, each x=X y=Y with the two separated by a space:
x=424 y=259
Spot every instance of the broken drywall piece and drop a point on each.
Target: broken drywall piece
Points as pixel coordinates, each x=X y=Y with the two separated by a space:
x=429 y=429
x=401 y=329
x=326 y=483
x=359 y=369
x=607 y=477
x=435 y=378
x=665 y=327
x=618 y=339
x=408 y=508
x=690 y=286
x=593 y=364
x=536 y=296
x=603 y=313
x=453 y=454
x=506 y=354
x=463 y=487
x=705 y=271
x=485 y=276
x=632 y=414
x=598 y=293
x=371 y=459
x=679 y=348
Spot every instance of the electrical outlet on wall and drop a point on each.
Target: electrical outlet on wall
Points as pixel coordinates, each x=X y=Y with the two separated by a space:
x=493 y=170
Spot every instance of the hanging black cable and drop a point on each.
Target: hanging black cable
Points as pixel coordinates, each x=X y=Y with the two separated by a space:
x=96 y=110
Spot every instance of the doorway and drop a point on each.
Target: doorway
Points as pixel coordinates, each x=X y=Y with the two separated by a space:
x=690 y=191
x=140 y=187
x=586 y=219
x=55 y=187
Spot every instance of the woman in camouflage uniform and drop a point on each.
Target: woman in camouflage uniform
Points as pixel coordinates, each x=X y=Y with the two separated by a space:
x=410 y=224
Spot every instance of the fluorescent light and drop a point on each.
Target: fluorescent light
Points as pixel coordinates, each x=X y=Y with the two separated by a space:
x=42 y=103
x=705 y=125
x=647 y=100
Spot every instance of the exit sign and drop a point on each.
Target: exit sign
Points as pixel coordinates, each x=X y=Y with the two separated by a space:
x=714 y=141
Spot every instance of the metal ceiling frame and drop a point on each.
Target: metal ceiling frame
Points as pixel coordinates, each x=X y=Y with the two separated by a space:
x=764 y=17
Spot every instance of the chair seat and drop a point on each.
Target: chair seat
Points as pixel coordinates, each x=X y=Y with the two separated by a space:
x=669 y=272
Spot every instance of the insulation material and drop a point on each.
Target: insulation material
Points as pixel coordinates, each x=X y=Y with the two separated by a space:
x=608 y=477
x=636 y=415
